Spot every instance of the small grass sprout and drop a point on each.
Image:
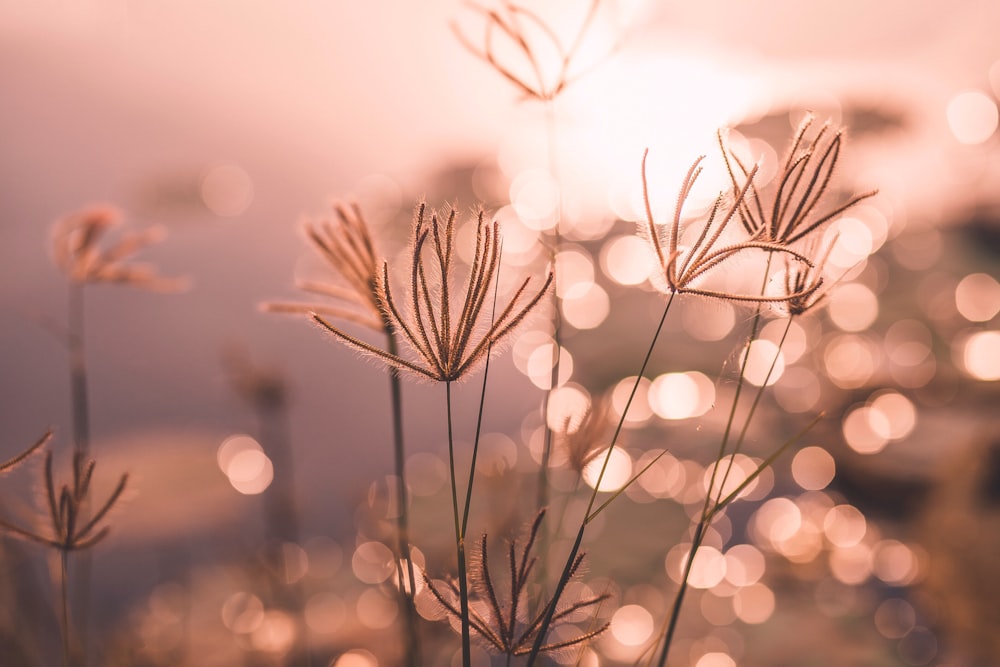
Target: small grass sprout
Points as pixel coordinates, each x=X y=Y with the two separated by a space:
x=510 y=627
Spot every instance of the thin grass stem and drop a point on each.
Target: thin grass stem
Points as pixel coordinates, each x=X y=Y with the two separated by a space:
x=64 y=605
x=575 y=549
x=463 y=584
x=408 y=587
x=707 y=507
x=542 y=500
x=753 y=409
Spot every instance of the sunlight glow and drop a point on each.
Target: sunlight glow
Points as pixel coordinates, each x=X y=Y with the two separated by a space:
x=585 y=305
x=715 y=659
x=777 y=520
x=566 y=406
x=977 y=297
x=745 y=565
x=813 y=468
x=760 y=355
x=664 y=479
x=900 y=415
x=325 y=612
x=639 y=411
x=754 y=604
x=244 y=463
x=535 y=197
x=681 y=395
x=972 y=117
x=618 y=472
x=854 y=242
x=844 y=526
x=850 y=361
x=276 y=633
x=851 y=565
x=626 y=260
x=373 y=562
x=863 y=430
x=573 y=266
x=356 y=658
x=799 y=390
x=895 y=563
x=708 y=320
x=853 y=307
x=708 y=569
x=227 y=190
x=981 y=355
x=541 y=361
x=376 y=610
x=632 y=625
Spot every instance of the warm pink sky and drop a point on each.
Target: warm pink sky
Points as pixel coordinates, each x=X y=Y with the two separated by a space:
x=110 y=101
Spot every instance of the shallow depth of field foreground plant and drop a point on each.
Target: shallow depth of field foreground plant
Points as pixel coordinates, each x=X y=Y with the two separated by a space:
x=452 y=319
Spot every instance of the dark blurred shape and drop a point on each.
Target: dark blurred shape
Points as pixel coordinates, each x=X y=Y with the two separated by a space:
x=864 y=118
x=961 y=532
x=983 y=229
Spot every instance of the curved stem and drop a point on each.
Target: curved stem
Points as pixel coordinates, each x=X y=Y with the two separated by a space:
x=708 y=508
x=568 y=568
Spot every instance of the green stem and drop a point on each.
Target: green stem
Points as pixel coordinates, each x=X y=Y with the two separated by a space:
x=463 y=584
x=568 y=567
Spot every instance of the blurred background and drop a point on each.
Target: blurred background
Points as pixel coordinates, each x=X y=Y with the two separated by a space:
x=229 y=123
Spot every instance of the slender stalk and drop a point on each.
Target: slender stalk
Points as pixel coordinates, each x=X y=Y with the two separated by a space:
x=463 y=584
x=79 y=397
x=64 y=594
x=542 y=499
x=575 y=549
x=408 y=587
x=708 y=507
x=753 y=409
x=78 y=368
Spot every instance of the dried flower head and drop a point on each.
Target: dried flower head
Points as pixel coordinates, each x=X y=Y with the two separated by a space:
x=346 y=245
x=682 y=269
x=804 y=282
x=72 y=527
x=263 y=387
x=76 y=249
x=510 y=627
x=541 y=65
x=583 y=439
x=804 y=177
x=444 y=334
